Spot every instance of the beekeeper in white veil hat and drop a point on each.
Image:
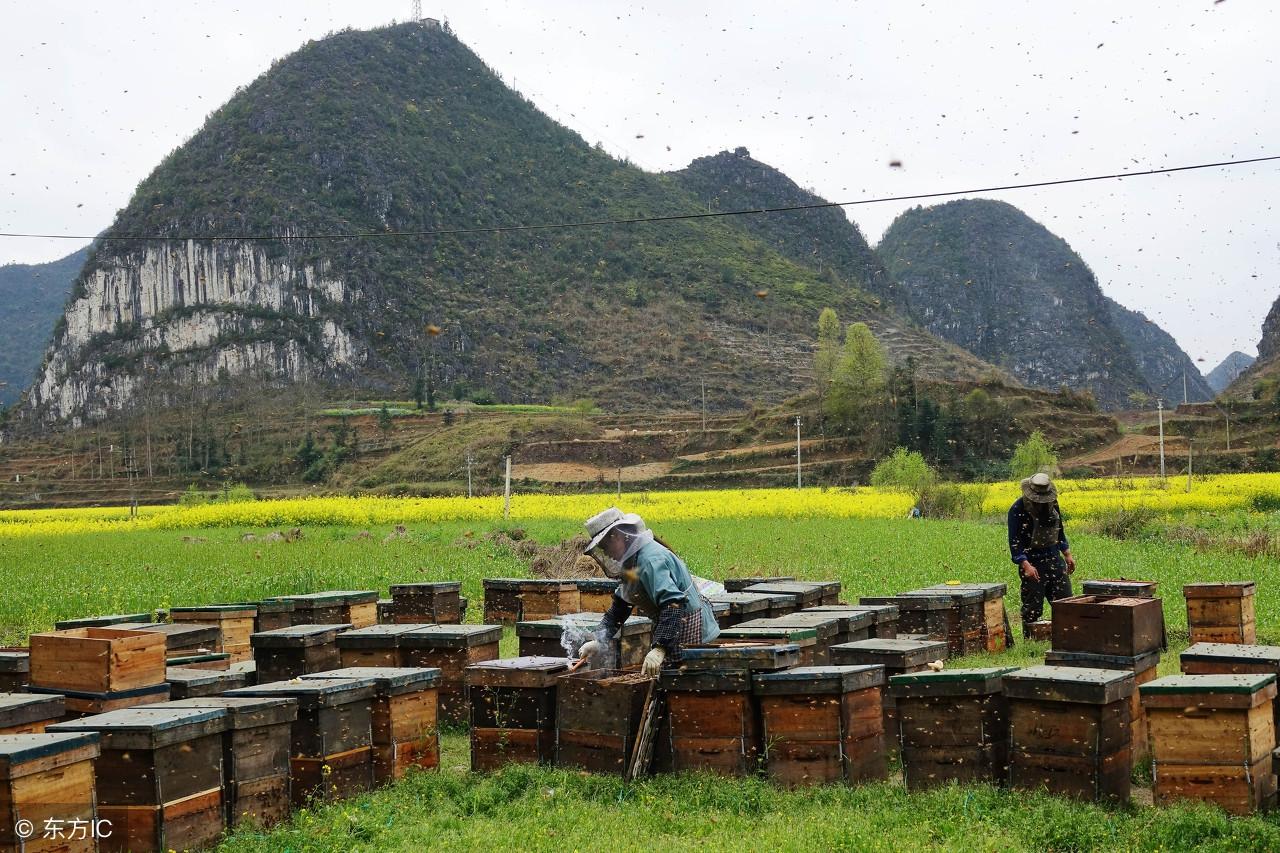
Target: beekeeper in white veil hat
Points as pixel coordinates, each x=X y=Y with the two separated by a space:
x=653 y=580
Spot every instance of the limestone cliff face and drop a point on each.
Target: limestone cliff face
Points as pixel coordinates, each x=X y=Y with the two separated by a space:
x=1161 y=360
x=203 y=312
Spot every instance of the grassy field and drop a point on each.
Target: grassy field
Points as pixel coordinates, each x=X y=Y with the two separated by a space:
x=48 y=576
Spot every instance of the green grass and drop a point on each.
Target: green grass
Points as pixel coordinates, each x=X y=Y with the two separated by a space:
x=48 y=578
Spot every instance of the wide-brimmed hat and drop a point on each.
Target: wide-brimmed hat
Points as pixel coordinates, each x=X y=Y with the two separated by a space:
x=599 y=525
x=1039 y=489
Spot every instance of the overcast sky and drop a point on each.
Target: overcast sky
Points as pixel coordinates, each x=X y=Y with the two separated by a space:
x=965 y=93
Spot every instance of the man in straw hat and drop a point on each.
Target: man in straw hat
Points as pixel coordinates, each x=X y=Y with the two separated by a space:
x=1038 y=546
x=652 y=579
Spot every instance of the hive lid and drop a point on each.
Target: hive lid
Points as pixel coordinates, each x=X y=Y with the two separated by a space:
x=801 y=591
x=819 y=680
x=452 y=636
x=800 y=635
x=739 y=657
x=1219 y=589
x=978 y=674
x=389 y=680
x=990 y=590
x=229 y=610
x=682 y=680
x=851 y=616
x=331 y=597
x=1247 y=684
x=924 y=601
x=597 y=584
x=55 y=748
x=743 y=600
x=294 y=636
x=1233 y=652
x=245 y=712
x=133 y=693
x=1119 y=586
x=533 y=671
x=802 y=619
x=274 y=605
x=528 y=583
x=148 y=726
x=739 y=584
x=377 y=636
x=892 y=646
x=20 y=709
x=314 y=692
x=198 y=677
x=1135 y=664
x=101 y=621
x=883 y=612
x=178 y=634
x=1070 y=684
x=425 y=588
x=960 y=594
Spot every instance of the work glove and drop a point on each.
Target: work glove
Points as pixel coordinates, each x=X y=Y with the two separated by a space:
x=588 y=651
x=653 y=661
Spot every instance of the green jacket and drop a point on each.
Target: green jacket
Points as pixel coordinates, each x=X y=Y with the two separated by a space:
x=661 y=578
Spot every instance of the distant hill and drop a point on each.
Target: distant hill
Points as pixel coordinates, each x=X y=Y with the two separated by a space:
x=404 y=129
x=1226 y=372
x=1267 y=366
x=1162 y=362
x=984 y=275
x=31 y=298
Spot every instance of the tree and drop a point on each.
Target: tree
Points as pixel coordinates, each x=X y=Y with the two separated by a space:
x=384 y=420
x=307 y=453
x=419 y=389
x=903 y=471
x=1033 y=456
x=827 y=358
x=857 y=392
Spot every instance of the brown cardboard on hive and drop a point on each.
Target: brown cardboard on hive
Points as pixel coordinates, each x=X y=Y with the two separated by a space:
x=235 y=621
x=513 y=710
x=1107 y=625
x=598 y=718
x=255 y=755
x=1212 y=739
x=953 y=726
x=46 y=777
x=29 y=713
x=297 y=650
x=822 y=724
x=375 y=645
x=451 y=649
x=330 y=751
x=1221 y=612
x=405 y=730
x=97 y=660
x=437 y=603
x=159 y=775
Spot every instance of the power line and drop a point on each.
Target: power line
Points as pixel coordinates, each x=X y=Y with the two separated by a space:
x=640 y=220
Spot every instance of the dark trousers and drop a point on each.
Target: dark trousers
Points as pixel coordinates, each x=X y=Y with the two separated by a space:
x=1054 y=583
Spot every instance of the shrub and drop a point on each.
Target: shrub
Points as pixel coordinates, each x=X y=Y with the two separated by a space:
x=1266 y=502
x=903 y=471
x=1033 y=456
x=1125 y=522
x=953 y=500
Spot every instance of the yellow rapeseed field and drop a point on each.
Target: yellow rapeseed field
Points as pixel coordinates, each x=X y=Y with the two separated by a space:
x=1079 y=498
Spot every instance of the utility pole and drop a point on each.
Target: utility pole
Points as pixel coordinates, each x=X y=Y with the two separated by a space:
x=798 y=484
x=506 y=492
x=1228 y=414
x=1189 y=444
x=1184 y=386
x=619 y=483
x=1160 y=415
x=704 y=407
x=470 y=460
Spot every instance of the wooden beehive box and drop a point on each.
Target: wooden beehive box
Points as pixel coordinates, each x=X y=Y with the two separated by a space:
x=803 y=593
x=1232 y=659
x=542 y=638
x=100 y=621
x=743 y=606
x=219 y=661
x=897 y=656
x=965 y=619
x=357 y=608
x=15 y=669
x=953 y=726
x=919 y=614
x=97 y=660
x=181 y=639
x=730 y=655
x=886 y=625
x=595 y=595
x=29 y=713
x=1143 y=668
x=297 y=650
x=376 y=645
x=80 y=703
x=235 y=622
x=510 y=600
x=436 y=603
x=255 y=755
x=1069 y=730
x=853 y=622
x=513 y=710
x=451 y=649
x=185 y=683
x=713 y=720
x=405 y=728
x=740 y=584
x=1212 y=739
x=598 y=718
x=720 y=611
x=159 y=776
x=1039 y=632
x=825 y=627
x=1108 y=626
x=331 y=741
x=822 y=724
x=1120 y=588
x=993 y=621
x=1221 y=612
x=46 y=777
x=273 y=613
x=804 y=638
